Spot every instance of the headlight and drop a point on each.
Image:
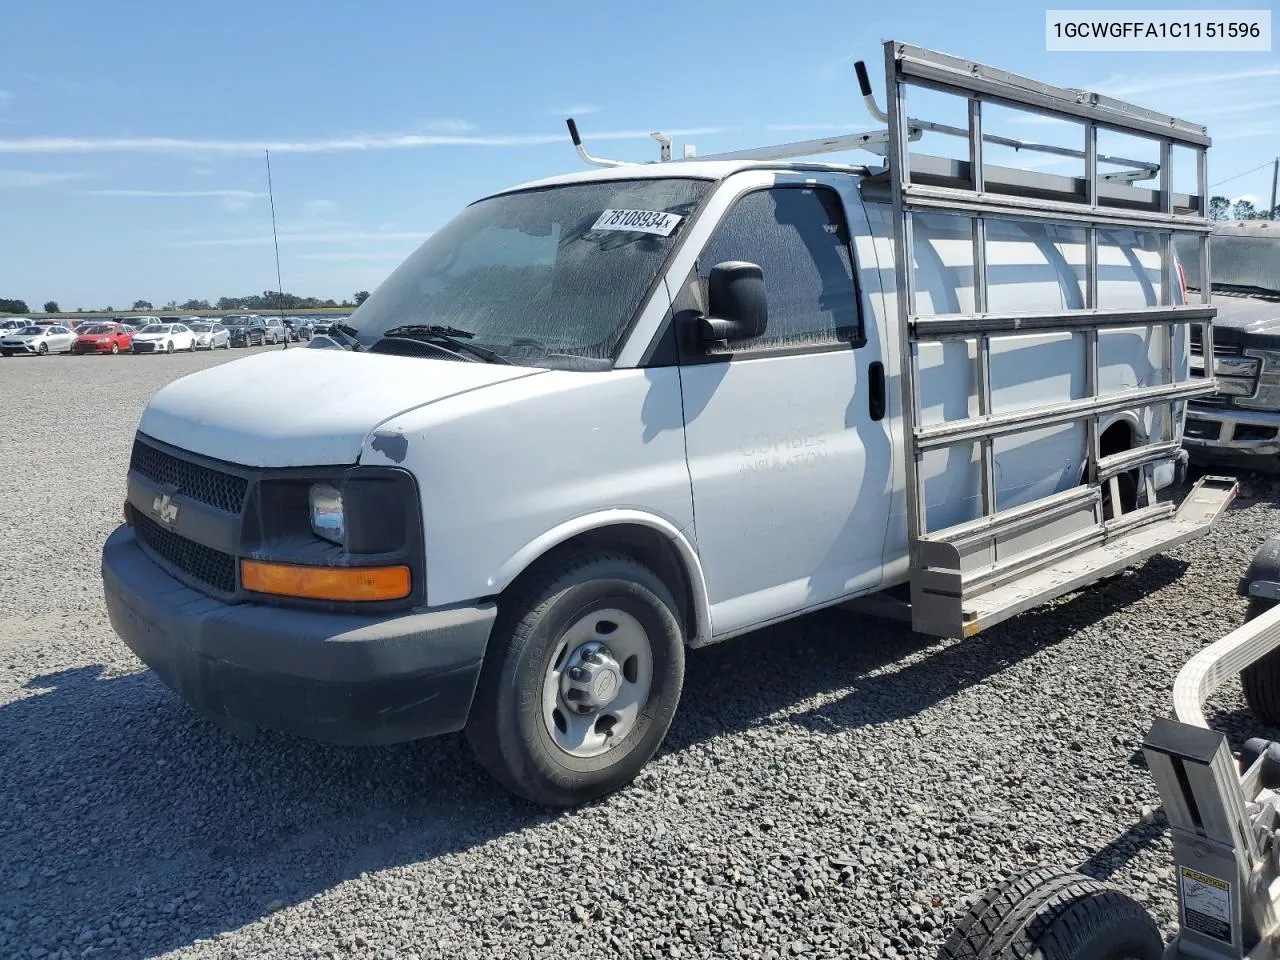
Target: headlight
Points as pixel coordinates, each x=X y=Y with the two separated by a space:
x=327 y=518
x=1269 y=358
x=1268 y=393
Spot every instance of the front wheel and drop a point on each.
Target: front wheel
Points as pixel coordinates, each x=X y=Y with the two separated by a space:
x=115 y=348
x=581 y=679
x=43 y=349
x=1048 y=915
x=169 y=347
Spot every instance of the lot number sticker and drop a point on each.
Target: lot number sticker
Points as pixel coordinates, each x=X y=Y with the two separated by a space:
x=638 y=221
x=1206 y=905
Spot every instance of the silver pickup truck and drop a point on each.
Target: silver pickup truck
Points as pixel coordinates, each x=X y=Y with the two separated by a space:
x=1240 y=424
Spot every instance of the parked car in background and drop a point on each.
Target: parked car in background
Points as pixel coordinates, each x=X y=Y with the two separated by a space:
x=163 y=338
x=210 y=334
x=13 y=326
x=245 y=331
x=299 y=328
x=276 y=331
x=139 y=322
x=38 y=339
x=81 y=325
x=102 y=338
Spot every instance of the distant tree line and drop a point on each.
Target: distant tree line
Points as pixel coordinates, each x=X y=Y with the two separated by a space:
x=268 y=300
x=1221 y=208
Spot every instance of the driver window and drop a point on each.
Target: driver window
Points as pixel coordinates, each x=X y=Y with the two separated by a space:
x=799 y=237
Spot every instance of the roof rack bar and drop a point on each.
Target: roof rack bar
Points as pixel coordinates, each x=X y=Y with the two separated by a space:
x=929 y=68
x=582 y=151
x=869 y=99
x=806 y=148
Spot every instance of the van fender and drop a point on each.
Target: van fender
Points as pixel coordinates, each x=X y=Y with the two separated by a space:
x=601 y=520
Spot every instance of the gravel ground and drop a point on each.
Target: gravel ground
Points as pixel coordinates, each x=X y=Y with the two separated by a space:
x=835 y=787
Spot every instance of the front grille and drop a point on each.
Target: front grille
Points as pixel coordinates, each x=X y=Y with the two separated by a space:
x=1220 y=349
x=209 y=566
x=1201 y=429
x=222 y=490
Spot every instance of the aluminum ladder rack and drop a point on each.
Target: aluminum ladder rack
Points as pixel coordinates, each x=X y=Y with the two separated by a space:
x=967 y=577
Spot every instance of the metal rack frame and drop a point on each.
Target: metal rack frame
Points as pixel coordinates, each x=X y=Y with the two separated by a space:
x=972 y=575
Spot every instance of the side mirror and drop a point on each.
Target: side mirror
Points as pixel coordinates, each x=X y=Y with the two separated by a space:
x=736 y=305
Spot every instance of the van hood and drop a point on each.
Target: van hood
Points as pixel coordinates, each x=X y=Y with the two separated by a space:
x=304 y=407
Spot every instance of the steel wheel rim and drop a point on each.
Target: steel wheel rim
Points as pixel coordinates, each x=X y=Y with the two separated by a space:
x=627 y=654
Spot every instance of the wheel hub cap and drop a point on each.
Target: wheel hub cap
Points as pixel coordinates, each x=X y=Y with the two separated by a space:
x=597 y=682
x=592 y=680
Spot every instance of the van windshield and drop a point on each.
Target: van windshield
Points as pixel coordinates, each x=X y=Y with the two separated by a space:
x=540 y=276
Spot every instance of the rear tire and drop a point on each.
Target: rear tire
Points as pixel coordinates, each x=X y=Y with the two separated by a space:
x=589 y=608
x=1049 y=915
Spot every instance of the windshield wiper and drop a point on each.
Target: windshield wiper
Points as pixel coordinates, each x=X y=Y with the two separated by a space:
x=455 y=338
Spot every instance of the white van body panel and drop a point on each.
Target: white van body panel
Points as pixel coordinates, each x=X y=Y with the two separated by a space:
x=304 y=408
x=501 y=469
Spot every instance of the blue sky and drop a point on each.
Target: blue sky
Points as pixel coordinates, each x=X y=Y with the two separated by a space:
x=131 y=134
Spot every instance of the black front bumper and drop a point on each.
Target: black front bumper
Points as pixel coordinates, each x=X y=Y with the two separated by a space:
x=341 y=678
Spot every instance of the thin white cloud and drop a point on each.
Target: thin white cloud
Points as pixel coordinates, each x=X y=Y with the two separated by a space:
x=225 y=194
x=1219 y=109
x=449 y=125
x=34 y=178
x=816 y=127
x=1122 y=87
x=1245 y=198
x=575 y=110
x=320 y=208
x=344 y=256
x=331 y=237
x=397 y=141
x=1243 y=133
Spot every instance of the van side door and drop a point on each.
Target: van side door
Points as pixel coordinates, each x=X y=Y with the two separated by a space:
x=786 y=435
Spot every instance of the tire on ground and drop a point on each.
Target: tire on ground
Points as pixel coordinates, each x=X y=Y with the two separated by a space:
x=507 y=728
x=1261 y=679
x=1049 y=915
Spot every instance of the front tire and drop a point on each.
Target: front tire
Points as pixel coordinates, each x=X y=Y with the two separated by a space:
x=115 y=348
x=1048 y=915
x=169 y=347
x=581 y=679
x=43 y=349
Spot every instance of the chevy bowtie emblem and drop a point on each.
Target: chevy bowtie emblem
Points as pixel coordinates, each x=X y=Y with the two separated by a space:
x=165 y=509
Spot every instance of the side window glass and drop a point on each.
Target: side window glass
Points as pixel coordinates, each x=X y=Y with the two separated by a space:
x=799 y=238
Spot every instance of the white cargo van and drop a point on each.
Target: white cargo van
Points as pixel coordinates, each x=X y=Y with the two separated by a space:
x=601 y=418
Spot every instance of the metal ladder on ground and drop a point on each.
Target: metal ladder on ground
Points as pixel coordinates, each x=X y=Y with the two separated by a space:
x=972 y=575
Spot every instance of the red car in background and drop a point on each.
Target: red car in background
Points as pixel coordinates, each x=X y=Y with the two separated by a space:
x=104 y=338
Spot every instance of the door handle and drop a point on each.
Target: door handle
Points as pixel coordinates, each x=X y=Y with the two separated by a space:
x=875 y=398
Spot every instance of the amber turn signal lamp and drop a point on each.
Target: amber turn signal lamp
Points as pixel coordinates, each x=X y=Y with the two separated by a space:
x=326 y=583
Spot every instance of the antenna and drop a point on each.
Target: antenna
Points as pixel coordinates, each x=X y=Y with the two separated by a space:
x=275 y=239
